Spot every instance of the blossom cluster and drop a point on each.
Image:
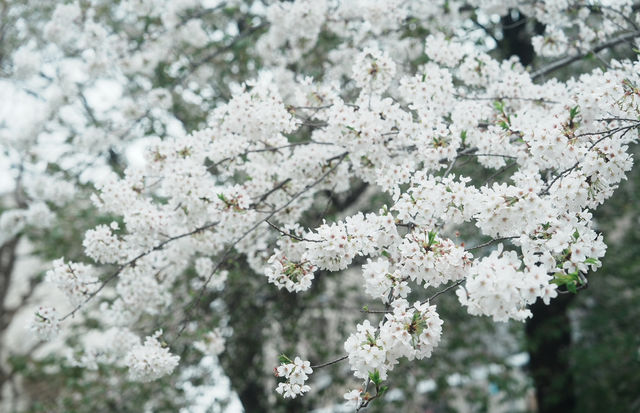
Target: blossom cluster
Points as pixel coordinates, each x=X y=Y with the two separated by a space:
x=151 y=360
x=45 y=323
x=212 y=343
x=78 y=281
x=496 y=288
x=296 y=374
x=378 y=125
x=411 y=244
x=408 y=331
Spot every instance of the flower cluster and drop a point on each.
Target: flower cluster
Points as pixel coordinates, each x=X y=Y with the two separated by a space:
x=292 y=275
x=411 y=331
x=102 y=245
x=373 y=70
x=430 y=199
x=366 y=351
x=296 y=374
x=379 y=282
x=430 y=260
x=212 y=343
x=391 y=118
x=151 y=360
x=408 y=331
x=104 y=348
x=76 y=280
x=296 y=24
x=13 y=221
x=45 y=323
x=497 y=288
x=288 y=267
x=334 y=246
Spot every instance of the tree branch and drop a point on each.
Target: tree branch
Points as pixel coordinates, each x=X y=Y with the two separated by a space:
x=570 y=59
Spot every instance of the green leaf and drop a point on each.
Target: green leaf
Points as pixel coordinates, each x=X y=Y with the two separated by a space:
x=284 y=359
x=432 y=237
x=574 y=112
x=592 y=261
x=375 y=377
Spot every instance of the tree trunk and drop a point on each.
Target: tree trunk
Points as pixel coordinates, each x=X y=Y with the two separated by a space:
x=243 y=357
x=549 y=344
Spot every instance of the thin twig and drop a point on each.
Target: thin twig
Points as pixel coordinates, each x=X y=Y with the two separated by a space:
x=329 y=363
x=269 y=149
x=452 y=286
x=376 y=311
x=232 y=245
x=485 y=244
x=132 y=262
x=264 y=196
x=500 y=171
x=295 y=237
x=570 y=59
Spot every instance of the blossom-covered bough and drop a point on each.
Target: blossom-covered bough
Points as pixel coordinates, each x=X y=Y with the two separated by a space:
x=402 y=114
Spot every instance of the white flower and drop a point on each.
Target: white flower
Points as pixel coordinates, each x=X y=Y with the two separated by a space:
x=296 y=374
x=213 y=343
x=150 y=361
x=441 y=50
x=45 y=323
x=76 y=280
x=102 y=245
x=284 y=273
x=497 y=288
x=373 y=70
x=427 y=258
x=379 y=281
x=411 y=332
x=366 y=352
x=353 y=398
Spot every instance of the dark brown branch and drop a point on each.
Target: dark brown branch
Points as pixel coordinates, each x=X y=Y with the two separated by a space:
x=7 y=262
